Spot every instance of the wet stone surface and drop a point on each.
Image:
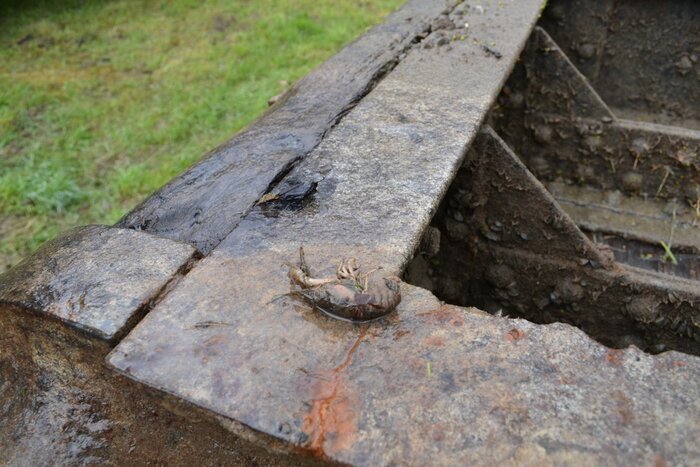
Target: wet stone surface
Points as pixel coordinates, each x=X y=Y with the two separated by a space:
x=205 y=203
x=95 y=278
x=426 y=384
x=429 y=384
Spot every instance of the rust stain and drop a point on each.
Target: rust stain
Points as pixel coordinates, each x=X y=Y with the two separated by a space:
x=331 y=422
x=625 y=409
x=443 y=315
x=433 y=341
x=438 y=432
x=659 y=460
x=515 y=334
x=614 y=357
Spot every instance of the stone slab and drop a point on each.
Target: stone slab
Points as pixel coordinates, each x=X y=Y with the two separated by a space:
x=382 y=171
x=97 y=279
x=228 y=340
x=429 y=385
x=205 y=203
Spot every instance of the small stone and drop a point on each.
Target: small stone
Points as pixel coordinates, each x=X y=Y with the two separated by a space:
x=644 y=309
x=499 y=276
x=457 y=230
x=543 y=134
x=684 y=65
x=639 y=146
x=567 y=292
x=592 y=142
x=539 y=166
x=586 y=51
x=443 y=22
x=516 y=100
x=632 y=182
x=585 y=173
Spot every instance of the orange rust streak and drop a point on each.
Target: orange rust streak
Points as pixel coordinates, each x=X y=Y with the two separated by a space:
x=515 y=334
x=330 y=414
x=614 y=356
x=442 y=315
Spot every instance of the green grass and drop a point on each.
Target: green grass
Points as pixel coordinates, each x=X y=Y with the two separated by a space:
x=103 y=101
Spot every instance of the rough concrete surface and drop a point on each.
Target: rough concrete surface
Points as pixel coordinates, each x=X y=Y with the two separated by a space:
x=95 y=278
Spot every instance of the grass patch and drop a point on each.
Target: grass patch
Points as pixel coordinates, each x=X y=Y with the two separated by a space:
x=102 y=102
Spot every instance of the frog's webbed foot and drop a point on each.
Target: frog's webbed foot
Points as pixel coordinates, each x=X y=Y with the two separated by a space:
x=348 y=269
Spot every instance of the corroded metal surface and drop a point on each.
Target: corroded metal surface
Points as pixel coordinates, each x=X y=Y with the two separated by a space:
x=205 y=203
x=96 y=279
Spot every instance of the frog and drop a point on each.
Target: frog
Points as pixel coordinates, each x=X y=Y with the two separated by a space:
x=351 y=295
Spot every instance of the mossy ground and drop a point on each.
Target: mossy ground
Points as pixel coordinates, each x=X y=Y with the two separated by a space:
x=103 y=101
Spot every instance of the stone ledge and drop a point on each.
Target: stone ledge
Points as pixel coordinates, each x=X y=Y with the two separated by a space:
x=97 y=279
x=204 y=204
x=431 y=384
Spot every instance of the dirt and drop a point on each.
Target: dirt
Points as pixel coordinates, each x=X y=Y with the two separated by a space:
x=507 y=245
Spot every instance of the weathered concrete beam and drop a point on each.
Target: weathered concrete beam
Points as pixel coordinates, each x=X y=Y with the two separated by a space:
x=205 y=203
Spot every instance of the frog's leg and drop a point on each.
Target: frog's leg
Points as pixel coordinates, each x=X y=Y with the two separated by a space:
x=348 y=269
x=366 y=276
x=302 y=262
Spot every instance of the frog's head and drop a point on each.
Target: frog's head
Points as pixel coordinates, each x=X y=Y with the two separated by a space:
x=393 y=283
